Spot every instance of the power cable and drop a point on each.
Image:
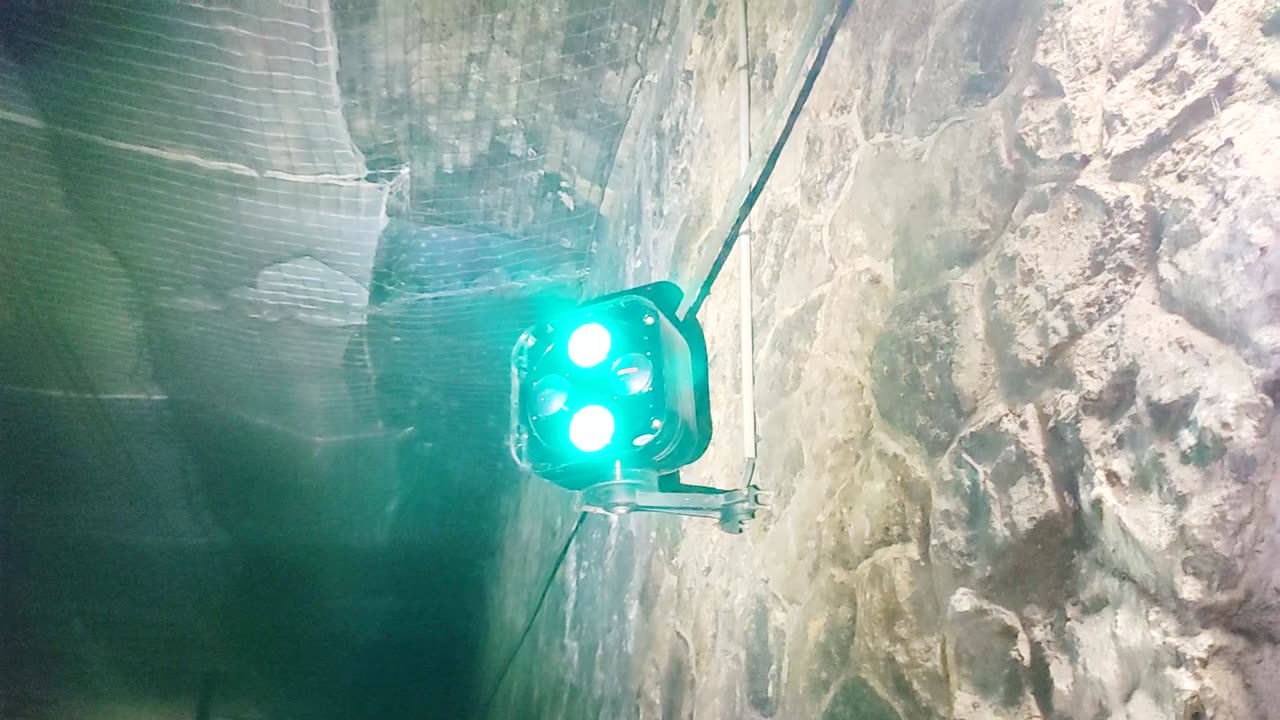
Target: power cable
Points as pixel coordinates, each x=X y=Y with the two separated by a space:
x=533 y=616
x=757 y=186
x=98 y=417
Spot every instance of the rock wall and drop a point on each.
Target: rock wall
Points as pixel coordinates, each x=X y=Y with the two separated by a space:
x=1018 y=351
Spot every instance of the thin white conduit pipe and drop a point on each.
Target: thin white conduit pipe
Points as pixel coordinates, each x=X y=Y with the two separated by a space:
x=745 y=300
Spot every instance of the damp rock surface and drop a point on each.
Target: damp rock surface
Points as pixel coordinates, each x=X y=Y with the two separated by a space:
x=1016 y=356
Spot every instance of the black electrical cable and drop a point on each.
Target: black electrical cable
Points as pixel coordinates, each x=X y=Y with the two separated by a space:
x=757 y=187
x=67 y=361
x=533 y=616
x=204 y=701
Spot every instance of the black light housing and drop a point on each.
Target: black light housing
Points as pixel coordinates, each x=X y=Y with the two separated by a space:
x=617 y=384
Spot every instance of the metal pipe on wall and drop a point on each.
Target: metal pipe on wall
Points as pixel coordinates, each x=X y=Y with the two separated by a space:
x=745 y=300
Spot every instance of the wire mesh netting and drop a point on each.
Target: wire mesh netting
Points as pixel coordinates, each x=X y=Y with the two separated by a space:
x=245 y=247
x=332 y=218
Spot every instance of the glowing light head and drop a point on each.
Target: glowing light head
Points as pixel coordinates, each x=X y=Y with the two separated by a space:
x=589 y=344
x=591 y=428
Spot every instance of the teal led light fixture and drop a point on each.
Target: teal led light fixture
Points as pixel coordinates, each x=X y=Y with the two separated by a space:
x=616 y=385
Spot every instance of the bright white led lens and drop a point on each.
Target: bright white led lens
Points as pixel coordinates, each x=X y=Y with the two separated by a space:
x=591 y=428
x=589 y=344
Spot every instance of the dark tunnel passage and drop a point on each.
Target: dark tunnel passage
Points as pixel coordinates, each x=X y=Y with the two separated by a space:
x=192 y=555
x=263 y=265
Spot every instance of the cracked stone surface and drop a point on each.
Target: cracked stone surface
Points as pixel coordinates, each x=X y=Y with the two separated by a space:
x=1016 y=378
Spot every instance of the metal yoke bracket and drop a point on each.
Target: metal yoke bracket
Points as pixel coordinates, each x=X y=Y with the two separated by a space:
x=640 y=491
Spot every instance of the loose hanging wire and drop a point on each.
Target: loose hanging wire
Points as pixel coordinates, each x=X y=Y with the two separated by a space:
x=533 y=616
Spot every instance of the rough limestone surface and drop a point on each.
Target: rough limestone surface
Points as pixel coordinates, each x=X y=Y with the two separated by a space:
x=1017 y=341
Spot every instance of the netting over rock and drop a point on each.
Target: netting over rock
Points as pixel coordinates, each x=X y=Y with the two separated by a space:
x=317 y=209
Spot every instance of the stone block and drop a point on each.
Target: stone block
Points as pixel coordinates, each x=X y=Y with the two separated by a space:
x=998 y=523
x=1088 y=47
x=954 y=200
x=974 y=53
x=1219 y=210
x=923 y=63
x=1158 y=441
x=1065 y=269
x=829 y=644
x=856 y=700
x=912 y=371
x=1189 y=382
x=989 y=657
x=789 y=260
x=1203 y=435
x=897 y=648
x=1119 y=663
x=1182 y=85
x=1060 y=114
x=891 y=46
x=784 y=352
